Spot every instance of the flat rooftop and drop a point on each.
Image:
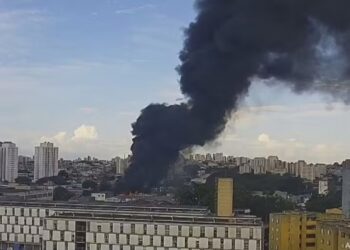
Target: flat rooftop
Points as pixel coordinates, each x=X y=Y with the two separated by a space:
x=183 y=215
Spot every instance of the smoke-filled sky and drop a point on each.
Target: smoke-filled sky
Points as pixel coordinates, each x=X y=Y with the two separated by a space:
x=78 y=73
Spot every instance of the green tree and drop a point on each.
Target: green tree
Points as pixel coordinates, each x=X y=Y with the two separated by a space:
x=105 y=186
x=89 y=184
x=319 y=203
x=63 y=173
x=23 y=180
x=61 y=194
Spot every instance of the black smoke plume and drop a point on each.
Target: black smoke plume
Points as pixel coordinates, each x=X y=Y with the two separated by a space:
x=304 y=44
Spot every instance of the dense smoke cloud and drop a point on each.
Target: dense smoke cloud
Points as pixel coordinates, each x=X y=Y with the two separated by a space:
x=304 y=44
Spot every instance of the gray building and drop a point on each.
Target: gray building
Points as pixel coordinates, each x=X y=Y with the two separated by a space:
x=346 y=192
x=45 y=161
x=8 y=161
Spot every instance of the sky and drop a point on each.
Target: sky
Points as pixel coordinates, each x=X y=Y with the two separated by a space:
x=78 y=72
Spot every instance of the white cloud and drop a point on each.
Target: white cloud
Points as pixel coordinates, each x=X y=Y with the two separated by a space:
x=85 y=132
x=264 y=138
x=59 y=138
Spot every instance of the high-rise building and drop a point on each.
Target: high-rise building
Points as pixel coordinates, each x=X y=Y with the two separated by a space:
x=272 y=162
x=120 y=165
x=45 y=161
x=8 y=161
x=346 y=192
x=224 y=197
x=218 y=157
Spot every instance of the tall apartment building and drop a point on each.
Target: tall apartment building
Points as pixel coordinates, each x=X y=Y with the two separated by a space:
x=272 y=163
x=45 y=161
x=259 y=165
x=40 y=226
x=8 y=161
x=346 y=192
x=120 y=165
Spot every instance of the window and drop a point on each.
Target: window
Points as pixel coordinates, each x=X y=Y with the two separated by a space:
x=202 y=232
x=140 y=241
x=310 y=244
x=210 y=244
x=238 y=233
x=251 y=233
x=246 y=245
x=99 y=228
x=62 y=235
x=310 y=236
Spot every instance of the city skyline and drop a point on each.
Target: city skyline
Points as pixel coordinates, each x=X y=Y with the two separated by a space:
x=61 y=84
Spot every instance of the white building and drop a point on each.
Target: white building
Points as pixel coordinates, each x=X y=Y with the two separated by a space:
x=259 y=165
x=245 y=169
x=120 y=165
x=323 y=187
x=99 y=196
x=45 y=161
x=39 y=226
x=218 y=157
x=320 y=170
x=8 y=161
x=272 y=163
